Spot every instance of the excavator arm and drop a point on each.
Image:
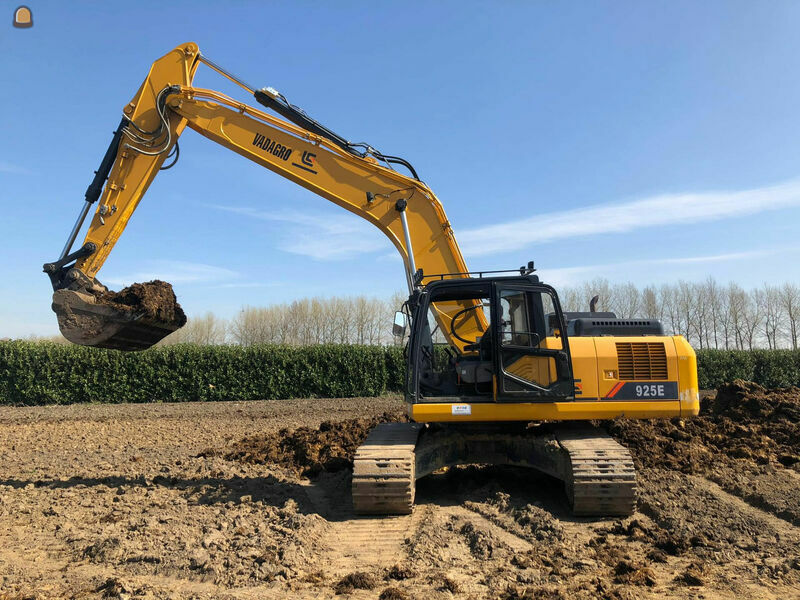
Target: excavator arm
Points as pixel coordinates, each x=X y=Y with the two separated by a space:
x=304 y=152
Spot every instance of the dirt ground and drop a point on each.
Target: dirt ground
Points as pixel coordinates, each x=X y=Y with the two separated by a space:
x=251 y=500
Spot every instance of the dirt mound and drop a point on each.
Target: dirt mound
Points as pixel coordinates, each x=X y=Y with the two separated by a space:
x=746 y=439
x=393 y=593
x=155 y=299
x=745 y=401
x=308 y=451
x=744 y=421
x=356 y=581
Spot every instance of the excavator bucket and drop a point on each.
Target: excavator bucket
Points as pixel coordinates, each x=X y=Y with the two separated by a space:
x=134 y=318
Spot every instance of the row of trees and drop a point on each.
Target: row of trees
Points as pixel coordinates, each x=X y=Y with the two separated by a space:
x=336 y=320
x=709 y=314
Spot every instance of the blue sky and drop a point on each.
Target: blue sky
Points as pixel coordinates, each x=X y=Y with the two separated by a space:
x=643 y=142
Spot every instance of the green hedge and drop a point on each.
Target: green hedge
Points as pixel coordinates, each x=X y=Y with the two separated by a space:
x=770 y=368
x=47 y=373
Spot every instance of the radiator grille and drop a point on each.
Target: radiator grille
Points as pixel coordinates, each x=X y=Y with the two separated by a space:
x=640 y=360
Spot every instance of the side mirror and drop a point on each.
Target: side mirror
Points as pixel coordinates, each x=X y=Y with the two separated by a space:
x=399 y=327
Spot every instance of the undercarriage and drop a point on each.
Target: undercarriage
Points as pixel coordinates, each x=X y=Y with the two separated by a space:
x=598 y=473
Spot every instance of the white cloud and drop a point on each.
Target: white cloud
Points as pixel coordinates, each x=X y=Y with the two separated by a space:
x=12 y=169
x=174 y=271
x=250 y=284
x=664 y=209
x=564 y=276
x=322 y=236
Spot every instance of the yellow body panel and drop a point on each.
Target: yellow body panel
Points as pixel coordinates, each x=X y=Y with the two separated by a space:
x=687 y=375
x=541 y=411
x=584 y=367
x=596 y=373
x=533 y=368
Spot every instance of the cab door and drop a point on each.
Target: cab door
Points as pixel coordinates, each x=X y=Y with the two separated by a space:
x=532 y=360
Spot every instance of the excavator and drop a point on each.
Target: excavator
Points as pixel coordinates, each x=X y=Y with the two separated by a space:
x=496 y=373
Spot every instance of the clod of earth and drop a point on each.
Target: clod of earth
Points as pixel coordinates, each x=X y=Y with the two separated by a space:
x=694 y=575
x=400 y=572
x=154 y=299
x=633 y=574
x=393 y=593
x=356 y=581
x=308 y=451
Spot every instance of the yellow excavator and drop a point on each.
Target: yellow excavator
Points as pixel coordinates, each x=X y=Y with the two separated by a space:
x=497 y=372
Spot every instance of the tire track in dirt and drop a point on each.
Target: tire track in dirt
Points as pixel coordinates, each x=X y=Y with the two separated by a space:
x=500 y=530
x=741 y=505
x=353 y=542
x=368 y=543
x=773 y=490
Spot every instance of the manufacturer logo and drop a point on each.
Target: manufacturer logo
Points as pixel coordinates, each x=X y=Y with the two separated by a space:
x=307 y=161
x=272 y=147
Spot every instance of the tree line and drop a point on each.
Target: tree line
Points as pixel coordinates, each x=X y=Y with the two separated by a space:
x=709 y=314
x=304 y=322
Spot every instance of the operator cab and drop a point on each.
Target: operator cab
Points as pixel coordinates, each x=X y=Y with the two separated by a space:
x=488 y=339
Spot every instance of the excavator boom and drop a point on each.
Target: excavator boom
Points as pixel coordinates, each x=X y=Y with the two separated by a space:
x=304 y=152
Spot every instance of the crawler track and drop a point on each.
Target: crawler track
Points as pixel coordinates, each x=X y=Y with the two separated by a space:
x=601 y=480
x=384 y=470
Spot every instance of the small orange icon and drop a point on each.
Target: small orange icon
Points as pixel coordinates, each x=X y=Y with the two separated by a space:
x=23 y=17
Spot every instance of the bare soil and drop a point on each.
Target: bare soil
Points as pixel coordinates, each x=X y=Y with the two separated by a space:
x=251 y=500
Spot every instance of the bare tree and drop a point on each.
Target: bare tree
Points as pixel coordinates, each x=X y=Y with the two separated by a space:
x=573 y=299
x=789 y=297
x=651 y=304
x=626 y=300
x=251 y=326
x=751 y=318
x=712 y=298
x=769 y=306
x=667 y=296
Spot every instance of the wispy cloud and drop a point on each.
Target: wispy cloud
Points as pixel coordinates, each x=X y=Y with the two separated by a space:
x=561 y=276
x=12 y=169
x=321 y=236
x=174 y=271
x=663 y=209
x=250 y=284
